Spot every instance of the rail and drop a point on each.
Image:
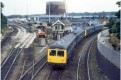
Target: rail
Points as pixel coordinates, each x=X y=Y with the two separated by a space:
x=6 y=67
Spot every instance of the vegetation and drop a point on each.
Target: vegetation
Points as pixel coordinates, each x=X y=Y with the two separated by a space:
x=119 y=3
x=15 y=16
x=114 y=24
x=3 y=20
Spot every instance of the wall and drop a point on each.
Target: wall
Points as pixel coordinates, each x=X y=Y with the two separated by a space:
x=108 y=59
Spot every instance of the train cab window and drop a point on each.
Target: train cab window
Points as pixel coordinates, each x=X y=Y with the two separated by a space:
x=61 y=53
x=53 y=53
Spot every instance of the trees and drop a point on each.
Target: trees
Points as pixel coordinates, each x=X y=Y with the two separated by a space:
x=3 y=18
x=119 y=3
x=2 y=5
x=114 y=24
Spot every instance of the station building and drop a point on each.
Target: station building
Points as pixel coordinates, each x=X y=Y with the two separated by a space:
x=61 y=28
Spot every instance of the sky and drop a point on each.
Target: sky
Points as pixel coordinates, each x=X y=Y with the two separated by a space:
x=24 y=7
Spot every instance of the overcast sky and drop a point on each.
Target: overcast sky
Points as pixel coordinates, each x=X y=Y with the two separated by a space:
x=39 y=6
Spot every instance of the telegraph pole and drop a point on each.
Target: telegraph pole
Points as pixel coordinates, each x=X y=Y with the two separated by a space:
x=27 y=10
x=49 y=12
x=66 y=9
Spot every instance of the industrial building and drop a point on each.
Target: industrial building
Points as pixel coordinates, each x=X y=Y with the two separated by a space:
x=55 y=8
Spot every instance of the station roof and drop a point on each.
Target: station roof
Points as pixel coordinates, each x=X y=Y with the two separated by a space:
x=63 y=22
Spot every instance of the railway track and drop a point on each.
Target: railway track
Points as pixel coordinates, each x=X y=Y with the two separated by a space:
x=88 y=58
x=87 y=51
x=13 y=45
x=28 y=61
x=94 y=72
x=6 y=67
x=83 y=52
x=55 y=75
x=31 y=73
x=58 y=74
x=26 y=27
x=7 y=38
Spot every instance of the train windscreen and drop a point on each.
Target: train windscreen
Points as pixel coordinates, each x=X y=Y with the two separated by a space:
x=60 y=53
x=53 y=53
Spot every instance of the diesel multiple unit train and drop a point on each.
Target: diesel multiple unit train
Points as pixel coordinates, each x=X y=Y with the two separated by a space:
x=59 y=52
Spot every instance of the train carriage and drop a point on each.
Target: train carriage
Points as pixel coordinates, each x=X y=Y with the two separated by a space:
x=60 y=51
x=98 y=27
x=79 y=35
x=89 y=30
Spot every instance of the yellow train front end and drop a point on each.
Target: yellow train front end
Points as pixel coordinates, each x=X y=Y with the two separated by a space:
x=57 y=57
x=85 y=32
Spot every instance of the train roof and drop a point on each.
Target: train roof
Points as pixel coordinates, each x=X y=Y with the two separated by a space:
x=89 y=27
x=99 y=25
x=77 y=32
x=64 y=42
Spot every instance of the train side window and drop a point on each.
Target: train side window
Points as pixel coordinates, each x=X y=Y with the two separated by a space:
x=53 y=53
x=61 y=53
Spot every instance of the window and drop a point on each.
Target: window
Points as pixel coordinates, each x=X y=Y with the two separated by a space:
x=62 y=27
x=53 y=53
x=61 y=53
x=56 y=27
